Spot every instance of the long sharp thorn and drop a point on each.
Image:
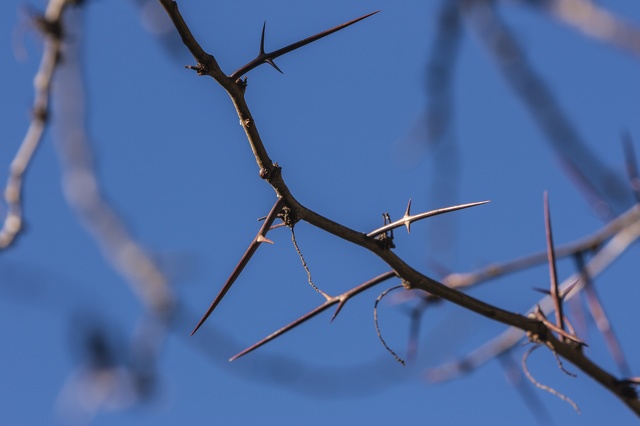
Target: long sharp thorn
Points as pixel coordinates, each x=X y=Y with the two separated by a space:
x=341 y=300
x=266 y=57
x=275 y=210
x=284 y=329
x=263 y=239
x=273 y=64
x=264 y=26
x=318 y=36
x=338 y=309
x=553 y=273
x=420 y=216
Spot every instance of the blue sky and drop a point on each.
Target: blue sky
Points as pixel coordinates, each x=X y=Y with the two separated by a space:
x=174 y=163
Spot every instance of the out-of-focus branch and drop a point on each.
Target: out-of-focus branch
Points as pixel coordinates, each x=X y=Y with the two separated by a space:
x=462 y=280
x=604 y=189
x=51 y=26
x=82 y=190
x=147 y=280
x=593 y=21
x=510 y=338
x=440 y=135
x=601 y=319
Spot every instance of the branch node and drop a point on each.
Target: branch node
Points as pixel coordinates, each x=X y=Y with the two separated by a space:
x=385 y=239
x=198 y=68
x=49 y=28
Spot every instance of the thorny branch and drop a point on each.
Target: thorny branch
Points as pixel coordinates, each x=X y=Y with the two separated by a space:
x=618 y=243
x=152 y=286
x=412 y=279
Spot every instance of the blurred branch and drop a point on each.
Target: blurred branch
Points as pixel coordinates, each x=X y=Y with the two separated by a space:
x=84 y=194
x=51 y=26
x=510 y=338
x=591 y=243
x=440 y=136
x=593 y=21
x=600 y=318
x=604 y=189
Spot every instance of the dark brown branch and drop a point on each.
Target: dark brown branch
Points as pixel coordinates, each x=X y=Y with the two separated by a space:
x=207 y=64
x=411 y=278
x=268 y=58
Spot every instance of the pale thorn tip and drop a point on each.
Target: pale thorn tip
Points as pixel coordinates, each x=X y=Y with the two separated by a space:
x=263 y=239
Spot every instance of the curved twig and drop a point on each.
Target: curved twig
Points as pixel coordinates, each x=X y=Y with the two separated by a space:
x=375 y=321
x=539 y=385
